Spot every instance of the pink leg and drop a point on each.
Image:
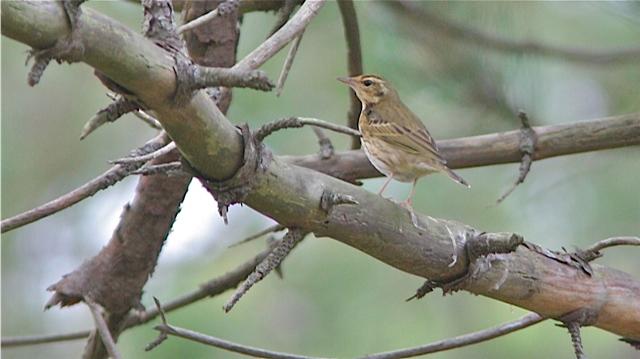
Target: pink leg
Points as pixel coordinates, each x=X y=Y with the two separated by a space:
x=408 y=204
x=409 y=200
x=384 y=186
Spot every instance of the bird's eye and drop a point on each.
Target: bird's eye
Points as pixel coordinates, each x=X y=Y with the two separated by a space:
x=367 y=83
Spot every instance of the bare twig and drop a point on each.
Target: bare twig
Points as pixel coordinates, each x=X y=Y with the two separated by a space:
x=447 y=344
x=287 y=64
x=273 y=260
x=42 y=339
x=148 y=157
x=326 y=147
x=102 y=328
x=495 y=42
x=119 y=107
x=573 y=321
x=224 y=344
x=105 y=180
x=222 y=76
x=296 y=122
x=272 y=229
x=222 y=9
x=528 y=141
x=593 y=251
x=148 y=119
x=287 y=33
x=169 y=169
x=162 y=336
x=462 y=340
x=576 y=339
x=354 y=55
x=141 y=114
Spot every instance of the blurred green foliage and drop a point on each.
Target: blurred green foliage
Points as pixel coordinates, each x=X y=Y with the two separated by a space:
x=335 y=301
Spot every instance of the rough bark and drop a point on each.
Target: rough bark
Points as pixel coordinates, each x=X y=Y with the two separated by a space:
x=292 y=195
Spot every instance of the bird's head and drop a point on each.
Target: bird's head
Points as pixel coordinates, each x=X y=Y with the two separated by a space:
x=370 y=89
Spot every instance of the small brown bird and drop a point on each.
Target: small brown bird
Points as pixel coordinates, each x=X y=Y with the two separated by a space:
x=395 y=140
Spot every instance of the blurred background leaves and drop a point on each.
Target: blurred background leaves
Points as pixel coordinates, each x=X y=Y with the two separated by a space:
x=335 y=301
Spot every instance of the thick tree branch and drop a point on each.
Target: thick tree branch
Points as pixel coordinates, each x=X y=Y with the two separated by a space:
x=292 y=195
x=498 y=148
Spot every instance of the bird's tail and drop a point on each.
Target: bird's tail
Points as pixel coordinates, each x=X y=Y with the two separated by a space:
x=454 y=176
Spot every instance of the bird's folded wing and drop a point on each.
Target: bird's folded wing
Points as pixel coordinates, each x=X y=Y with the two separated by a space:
x=416 y=141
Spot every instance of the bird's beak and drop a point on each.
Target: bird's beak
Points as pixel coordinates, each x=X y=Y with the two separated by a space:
x=347 y=80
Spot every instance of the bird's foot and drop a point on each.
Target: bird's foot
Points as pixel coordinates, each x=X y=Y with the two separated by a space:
x=414 y=218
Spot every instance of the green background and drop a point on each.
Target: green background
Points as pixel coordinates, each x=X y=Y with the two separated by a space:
x=335 y=301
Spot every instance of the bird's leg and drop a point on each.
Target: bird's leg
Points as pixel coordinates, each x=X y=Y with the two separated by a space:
x=409 y=201
x=384 y=186
x=408 y=204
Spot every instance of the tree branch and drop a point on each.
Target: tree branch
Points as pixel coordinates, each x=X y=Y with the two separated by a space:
x=354 y=60
x=292 y=195
x=498 y=148
x=217 y=76
x=442 y=345
x=425 y=19
x=103 y=329
x=462 y=340
x=105 y=180
x=208 y=289
x=225 y=344
x=287 y=64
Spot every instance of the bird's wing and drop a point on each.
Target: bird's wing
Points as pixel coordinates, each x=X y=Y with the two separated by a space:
x=412 y=139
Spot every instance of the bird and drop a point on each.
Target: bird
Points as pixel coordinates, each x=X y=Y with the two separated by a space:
x=394 y=138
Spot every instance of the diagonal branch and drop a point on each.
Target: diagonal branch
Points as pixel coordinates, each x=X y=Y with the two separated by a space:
x=103 y=329
x=288 y=62
x=292 y=195
x=208 y=289
x=105 y=180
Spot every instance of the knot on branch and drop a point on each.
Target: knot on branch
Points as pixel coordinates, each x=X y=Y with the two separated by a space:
x=492 y=243
x=480 y=249
x=185 y=72
x=330 y=199
x=68 y=49
x=235 y=189
x=227 y=7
